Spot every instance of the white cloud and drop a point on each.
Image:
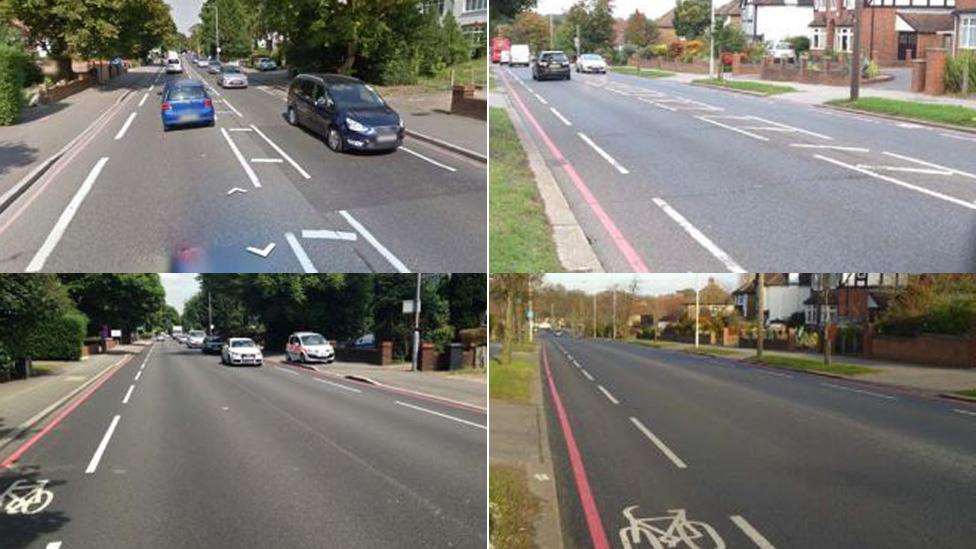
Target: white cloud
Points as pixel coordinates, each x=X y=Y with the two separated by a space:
x=650 y=284
x=179 y=288
x=621 y=8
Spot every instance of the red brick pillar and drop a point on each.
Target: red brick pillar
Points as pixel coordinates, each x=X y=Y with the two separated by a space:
x=428 y=357
x=918 y=75
x=935 y=60
x=386 y=353
x=736 y=63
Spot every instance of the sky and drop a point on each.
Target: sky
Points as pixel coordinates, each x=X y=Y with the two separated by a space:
x=179 y=288
x=650 y=284
x=621 y=8
x=185 y=13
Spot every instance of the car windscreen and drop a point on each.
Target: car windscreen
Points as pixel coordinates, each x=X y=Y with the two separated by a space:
x=187 y=93
x=591 y=57
x=172 y=61
x=354 y=96
x=226 y=70
x=242 y=343
x=314 y=339
x=197 y=334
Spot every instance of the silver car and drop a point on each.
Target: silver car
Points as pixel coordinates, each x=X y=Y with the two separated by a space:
x=231 y=77
x=241 y=351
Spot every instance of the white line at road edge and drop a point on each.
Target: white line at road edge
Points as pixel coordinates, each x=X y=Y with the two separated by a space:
x=428 y=159
x=286 y=370
x=128 y=394
x=37 y=263
x=445 y=416
x=296 y=247
x=53 y=545
x=143 y=100
x=967 y=412
x=753 y=534
x=237 y=112
x=240 y=158
x=603 y=153
x=660 y=445
x=586 y=374
x=607 y=394
x=929 y=164
x=733 y=128
x=397 y=264
x=93 y=464
x=281 y=152
x=700 y=237
x=859 y=391
x=560 y=116
x=339 y=385
x=125 y=126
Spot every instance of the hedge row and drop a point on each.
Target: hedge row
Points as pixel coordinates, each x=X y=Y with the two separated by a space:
x=15 y=66
x=60 y=338
x=951 y=317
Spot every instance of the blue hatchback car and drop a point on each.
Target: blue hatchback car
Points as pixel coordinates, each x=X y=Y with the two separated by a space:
x=186 y=102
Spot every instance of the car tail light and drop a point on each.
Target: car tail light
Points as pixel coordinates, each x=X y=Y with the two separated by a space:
x=208 y=103
x=166 y=107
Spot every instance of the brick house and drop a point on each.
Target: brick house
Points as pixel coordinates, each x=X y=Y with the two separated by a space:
x=731 y=12
x=964 y=25
x=785 y=296
x=665 y=28
x=892 y=31
x=770 y=20
x=854 y=298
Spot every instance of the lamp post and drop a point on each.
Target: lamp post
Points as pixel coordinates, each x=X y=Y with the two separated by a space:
x=711 y=49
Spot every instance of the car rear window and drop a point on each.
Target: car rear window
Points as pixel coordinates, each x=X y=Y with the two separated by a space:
x=230 y=70
x=555 y=57
x=186 y=94
x=172 y=61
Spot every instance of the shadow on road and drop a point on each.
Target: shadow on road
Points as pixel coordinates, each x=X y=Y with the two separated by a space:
x=15 y=155
x=26 y=514
x=31 y=114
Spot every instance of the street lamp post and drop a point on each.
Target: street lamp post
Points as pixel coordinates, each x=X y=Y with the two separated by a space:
x=416 y=326
x=697 y=307
x=761 y=314
x=711 y=48
x=856 y=53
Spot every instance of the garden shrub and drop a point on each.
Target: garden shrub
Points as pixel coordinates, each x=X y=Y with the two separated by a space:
x=800 y=44
x=659 y=50
x=954 y=72
x=15 y=72
x=6 y=364
x=676 y=49
x=60 y=338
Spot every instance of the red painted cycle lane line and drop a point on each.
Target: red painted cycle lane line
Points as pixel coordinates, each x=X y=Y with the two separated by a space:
x=623 y=245
x=593 y=522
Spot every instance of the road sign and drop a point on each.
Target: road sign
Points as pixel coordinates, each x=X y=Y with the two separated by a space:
x=530 y=314
x=116 y=333
x=408 y=306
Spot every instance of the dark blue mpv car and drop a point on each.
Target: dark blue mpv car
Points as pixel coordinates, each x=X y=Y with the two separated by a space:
x=186 y=102
x=344 y=110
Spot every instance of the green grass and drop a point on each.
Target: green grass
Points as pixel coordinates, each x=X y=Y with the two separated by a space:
x=646 y=73
x=520 y=238
x=513 y=382
x=471 y=72
x=712 y=351
x=817 y=365
x=655 y=344
x=756 y=87
x=929 y=112
x=971 y=393
x=512 y=508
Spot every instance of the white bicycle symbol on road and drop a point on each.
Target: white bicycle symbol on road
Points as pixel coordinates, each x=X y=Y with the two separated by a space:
x=25 y=497
x=669 y=531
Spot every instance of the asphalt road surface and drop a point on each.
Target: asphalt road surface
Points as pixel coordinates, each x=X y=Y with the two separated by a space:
x=676 y=450
x=251 y=194
x=670 y=177
x=184 y=452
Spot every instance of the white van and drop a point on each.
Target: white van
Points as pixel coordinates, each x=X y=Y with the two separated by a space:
x=519 y=55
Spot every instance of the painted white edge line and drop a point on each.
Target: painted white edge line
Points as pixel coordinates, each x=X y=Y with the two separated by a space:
x=303 y=259
x=445 y=416
x=659 y=443
x=339 y=385
x=700 y=237
x=966 y=412
x=37 y=263
x=830 y=147
x=859 y=391
x=93 y=464
x=929 y=164
x=397 y=264
x=266 y=161
x=240 y=158
x=607 y=394
x=428 y=159
x=144 y=97
x=603 y=153
x=128 y=394
x=280 y=151
x=286 y=370
x=704 y=118
x=240 y=130
x=560 y=116
x=586 y=374
x=125 y=126
x=237 y=112
x=793 y=128
x=751 y=532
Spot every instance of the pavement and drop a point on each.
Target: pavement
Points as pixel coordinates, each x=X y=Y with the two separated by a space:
x=667 y=177
x=195 y=454
x=430 y=115
x=692 y=451
x=251 y=194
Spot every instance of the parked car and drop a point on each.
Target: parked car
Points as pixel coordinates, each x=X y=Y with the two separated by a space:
x=519 y=55
x=212 y=345
x=203 y=62
x=186 y=102
x=173 y=66
x=506 y=57
x=231 y=77
x=367 y=341
x=346 y=111
x=160 y=337
x=241 y=351
x=551 y=65
x=591 y=62
x=265 y=64
x=194 y=340
x=214 y=67
x=780 y=50
x=309 y=347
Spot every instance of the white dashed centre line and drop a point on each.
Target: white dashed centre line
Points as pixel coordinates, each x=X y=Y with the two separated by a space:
x=859 y=391
x=237 y=112
x=125 y=126
x=445 y=416
x=541 y=99
x=138 y=375
x=560 y=116
x=143 y=100
x=700 y=237
x=128 y=394
x=603 y=153
x=966 y=412
x=751 y=532
x=659 y=443
x=607 y=394
x=586 y=374
x=93 y=464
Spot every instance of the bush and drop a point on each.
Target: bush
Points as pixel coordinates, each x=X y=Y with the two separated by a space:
x=15 y=72
x=800 y=44
x=60 y=338
x=6 y=364
x=954 y=72
x=676 y=49
x=659 y=50
x=694 y=48
x=441 y=336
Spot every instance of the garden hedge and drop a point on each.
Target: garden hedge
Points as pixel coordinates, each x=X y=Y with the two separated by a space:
x=14 y=66
x=60 y=338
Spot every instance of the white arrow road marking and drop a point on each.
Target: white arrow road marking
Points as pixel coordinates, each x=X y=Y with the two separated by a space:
x=329 y=235
x=659 y=443
x=303 y=258
x=262 y=252
x=753 y=534
x=93 y=464
x=236 y=190
x=445 y=416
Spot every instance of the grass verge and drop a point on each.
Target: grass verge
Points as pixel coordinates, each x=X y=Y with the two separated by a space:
x=927 y=112
x=645 y=73
x=744 y=85
x=710 y=351
x=971 y=393
x=520 y=239
x=512 y=508
x=814 y=365
x=513 y=382
x=654 y=344
x=471 y=72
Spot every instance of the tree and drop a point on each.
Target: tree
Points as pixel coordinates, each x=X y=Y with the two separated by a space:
x=692 y=18
x=511 y=288
x=599 y=26
x=640 y=30
x=467 y=296
x=508 y=9
x=26 y=302
x=389 y=322
x=121 y=301
x=235 y=24
x=532 y=29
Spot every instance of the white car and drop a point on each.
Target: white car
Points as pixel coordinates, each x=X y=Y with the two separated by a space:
x=241 y=351
x=519 y=55
x=173 y=66
x=780 y=50
x=203 y=62
x=160 y=337
x=591 y=62
x=309 y=347
x=506 y=57
x=231 y=77
x=194 y=340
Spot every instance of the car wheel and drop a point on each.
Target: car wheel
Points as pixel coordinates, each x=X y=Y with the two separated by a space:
x=303 y=358
x=292 y=117
x=569 y=76
x=334 y=140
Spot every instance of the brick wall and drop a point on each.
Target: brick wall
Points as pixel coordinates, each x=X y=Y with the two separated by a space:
x=929 y=350
x=464 y=103
x=884 y=46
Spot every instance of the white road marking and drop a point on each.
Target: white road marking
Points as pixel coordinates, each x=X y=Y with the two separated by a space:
x=339 y=385
x=753 y=534
x=280 y=151
x=125 y=126
x=303 y=259
x=445 y=416
x=237 y=190
x=900 y=183
x=967 y=412
x=329 y=235
x=929 y=164
x=607 y=394
x=144 y=97
x=428 y=159
x=240 y=158
x=768 y=373
x=961 y=137
x=792 y=128
x=603 y=153
x=541 y=99
x=586 y=374
x=659 y=443
x=541 y=477
x=138 y=375
x=560 y=116
x=93 y=464
x=128 y=394
x=266 y=161
x=905 y=169
x=859 y=391
x=237 y=112
x=263 y=252
x=37 y=263
x=700 y=237
x=831 y=147
x=240 y=130
x=397 y=264
x=733 y=128
x=53 y=545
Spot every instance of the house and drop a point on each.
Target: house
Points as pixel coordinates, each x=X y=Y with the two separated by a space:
x=471 y=16
x=854 y=298
x=731 y=12
x=964 y=25
x=665 y=28
x=892 y=31
x=769 y=20
x=712 y=299
x=785 y=296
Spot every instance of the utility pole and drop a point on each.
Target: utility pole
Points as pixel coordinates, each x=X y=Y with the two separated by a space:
x=531 y=316
x=594 y=314
x=761 y=314
x=697 y=307
x=551 y=37
x=577 y=43
x=209 y=314
x=416 y=326
x=711 y=54
x=856 y=53
x=217 y=27
x=613 y=322
x=825 y=286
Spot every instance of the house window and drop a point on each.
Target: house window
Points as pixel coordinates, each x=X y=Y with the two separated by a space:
x=849 y=4
x=432 y=6
x=818 y=38
x=475 y=5
x=819 y=5
x=476 y=34
x=844 y=39
x=967 y=32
